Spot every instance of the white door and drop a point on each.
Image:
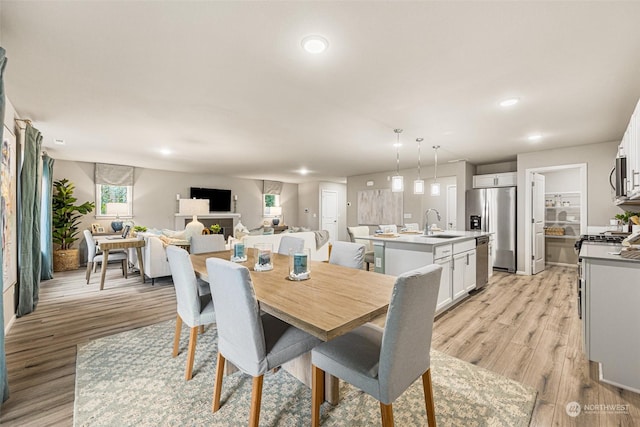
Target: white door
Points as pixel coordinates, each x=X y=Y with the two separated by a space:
x=330 y=213
x=452 y=198
x=537 y=215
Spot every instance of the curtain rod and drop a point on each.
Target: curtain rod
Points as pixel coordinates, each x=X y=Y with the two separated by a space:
x=28 y=121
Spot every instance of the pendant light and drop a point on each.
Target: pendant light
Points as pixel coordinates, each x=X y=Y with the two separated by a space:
x=418 y=184
x=435 y=186
x=397 y=181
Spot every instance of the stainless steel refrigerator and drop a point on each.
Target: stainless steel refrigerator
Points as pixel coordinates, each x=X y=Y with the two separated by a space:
x=494 y=210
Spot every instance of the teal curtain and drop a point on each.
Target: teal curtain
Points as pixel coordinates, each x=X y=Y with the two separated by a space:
x=46 y=236
x=4 y=382
x=29 y=256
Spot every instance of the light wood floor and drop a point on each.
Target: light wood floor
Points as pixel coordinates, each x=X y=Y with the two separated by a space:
x=525 y=328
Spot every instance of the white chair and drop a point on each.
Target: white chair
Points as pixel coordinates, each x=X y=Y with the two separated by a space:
x=93 y=258
x=254 y=342
x=193 y=309
x=388 y=228
x=412 y=226
x=207 y=243
x=362 y=231
x=290 y=243
x=384 y=363
x=347 y=254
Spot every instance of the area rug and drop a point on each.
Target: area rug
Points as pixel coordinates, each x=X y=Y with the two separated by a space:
x=130 y=379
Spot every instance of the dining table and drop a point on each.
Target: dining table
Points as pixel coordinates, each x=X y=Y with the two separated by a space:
x=331 y=302
x=105 y=244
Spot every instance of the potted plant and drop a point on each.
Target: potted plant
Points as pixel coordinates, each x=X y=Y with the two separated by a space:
x=215 y=229
x=66 y=219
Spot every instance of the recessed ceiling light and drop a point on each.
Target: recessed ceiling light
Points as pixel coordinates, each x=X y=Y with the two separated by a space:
x=59 y=142
x=397 y=144
x=534 y=137
x=303 y=171
x=315 y=44
x=165 y=152
x=509 y=102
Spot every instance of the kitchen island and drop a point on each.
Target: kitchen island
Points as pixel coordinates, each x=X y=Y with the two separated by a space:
x=455 y=251
x=611 y=313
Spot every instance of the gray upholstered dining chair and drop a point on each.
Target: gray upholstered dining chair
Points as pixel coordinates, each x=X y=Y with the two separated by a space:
x=362 y=231
x=288 y=243
x=385 y=362
x=193 y=309
x=347 y=254
x=207 y=243
x=254 y=342
x=93 y=258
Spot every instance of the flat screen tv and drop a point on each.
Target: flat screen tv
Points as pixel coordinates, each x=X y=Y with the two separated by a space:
x=219 y=200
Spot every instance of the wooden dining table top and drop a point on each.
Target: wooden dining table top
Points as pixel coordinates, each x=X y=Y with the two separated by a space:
x=332 y=302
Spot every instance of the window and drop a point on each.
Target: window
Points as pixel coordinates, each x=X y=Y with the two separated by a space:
x=113 y=201
x=114 y=191
x=271 y=205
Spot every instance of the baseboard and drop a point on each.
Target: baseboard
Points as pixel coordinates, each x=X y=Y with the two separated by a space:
x=562 y=264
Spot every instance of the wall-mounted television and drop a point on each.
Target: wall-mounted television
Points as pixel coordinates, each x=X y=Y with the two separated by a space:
x=219 y=200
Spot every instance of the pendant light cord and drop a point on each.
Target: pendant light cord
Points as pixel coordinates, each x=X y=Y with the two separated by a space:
x=435 y=168
x=398 y=132
x=419 y=141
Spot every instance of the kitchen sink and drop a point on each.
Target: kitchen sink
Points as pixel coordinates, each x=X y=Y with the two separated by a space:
x=441 y=236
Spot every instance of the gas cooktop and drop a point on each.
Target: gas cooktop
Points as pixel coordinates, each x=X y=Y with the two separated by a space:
x=599 y=238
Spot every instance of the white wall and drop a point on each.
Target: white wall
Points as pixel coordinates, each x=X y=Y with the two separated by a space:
x=154 y=194
x=599 y=158
x=310 y=205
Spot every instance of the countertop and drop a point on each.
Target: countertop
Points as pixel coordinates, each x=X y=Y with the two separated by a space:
x=591 y=250
x=461 y=236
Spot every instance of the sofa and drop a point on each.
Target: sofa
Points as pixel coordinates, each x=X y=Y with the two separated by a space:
x=154 y=255
x=309 y=237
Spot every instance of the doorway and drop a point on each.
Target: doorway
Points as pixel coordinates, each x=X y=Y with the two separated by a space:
x=565 y=212
x=329 y=213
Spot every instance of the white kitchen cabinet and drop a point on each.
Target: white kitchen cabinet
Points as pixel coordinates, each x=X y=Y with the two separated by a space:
x=611 y=318
x=445 y=295
x=630 y=148
x=470 y=270
x=505 y=179
x=459 y=261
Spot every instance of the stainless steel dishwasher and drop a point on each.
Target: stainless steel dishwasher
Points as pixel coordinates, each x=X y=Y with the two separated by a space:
x=482 y=261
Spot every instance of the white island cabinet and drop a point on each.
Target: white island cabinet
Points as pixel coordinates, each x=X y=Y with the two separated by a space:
x=456 y=254
x=611 y=317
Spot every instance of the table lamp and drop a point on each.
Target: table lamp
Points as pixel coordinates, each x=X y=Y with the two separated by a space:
x=117 y=209
x=193 y=207
x=276 y=211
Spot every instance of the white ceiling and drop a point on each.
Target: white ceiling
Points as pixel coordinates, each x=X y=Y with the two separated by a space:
x=228 y=88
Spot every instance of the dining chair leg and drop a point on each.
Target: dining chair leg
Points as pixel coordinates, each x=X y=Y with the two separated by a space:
x=217 y=388
x=88 y=273
x=428 y=398
x=95 y=267
x=176 y=338
x=193 y=338
x=124 y=268
x=256 y=397
x=317 y=394
x=387 y=414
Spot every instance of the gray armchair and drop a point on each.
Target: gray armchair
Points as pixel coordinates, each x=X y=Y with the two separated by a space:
x=384 y=363
x=254 y=342
x=193 y=309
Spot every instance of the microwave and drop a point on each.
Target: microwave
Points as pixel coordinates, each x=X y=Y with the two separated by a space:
x=621 y=177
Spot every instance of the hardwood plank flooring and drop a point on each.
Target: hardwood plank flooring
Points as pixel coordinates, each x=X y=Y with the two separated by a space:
x=522 y=327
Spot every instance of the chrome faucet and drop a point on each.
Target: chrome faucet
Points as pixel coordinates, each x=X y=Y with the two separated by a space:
x=427 y=229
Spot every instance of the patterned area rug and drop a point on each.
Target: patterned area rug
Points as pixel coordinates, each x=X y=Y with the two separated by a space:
x=130 y=379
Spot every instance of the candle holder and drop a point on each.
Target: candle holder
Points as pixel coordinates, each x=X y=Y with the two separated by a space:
x=264 y=257
x=299 y=264
x=238 y=254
